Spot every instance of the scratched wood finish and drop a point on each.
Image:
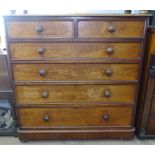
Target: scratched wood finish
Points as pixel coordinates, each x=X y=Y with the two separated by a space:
x=62 y=117
x=75 y=93
x=51 y=29
x=99 y=29
x=28 y=51
x=31 y=72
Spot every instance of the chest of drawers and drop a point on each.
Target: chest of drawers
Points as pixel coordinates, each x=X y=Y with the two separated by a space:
x=76 y=77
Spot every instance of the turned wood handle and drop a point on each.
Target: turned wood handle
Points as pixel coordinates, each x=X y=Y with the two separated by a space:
x=42 y=72
x=111 y=28
x=110 y=50
x=44 y=94
x=46 y=118
x=41 y=50
x=39 y=29
x=107 y=93
x=106 y=117
x=108 y=72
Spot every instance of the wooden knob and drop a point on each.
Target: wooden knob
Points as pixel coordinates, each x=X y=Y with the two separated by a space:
x=107 y=93
x=44 y=94
x=42 y=72
x=46 y=118
x=39 y=29
x=108 y=72
x=111 y=28
x=41 y=50
x=110 y=50
x=106 y=117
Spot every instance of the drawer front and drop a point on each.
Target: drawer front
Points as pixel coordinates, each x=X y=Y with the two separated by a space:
x=43 y=72
x=110 y=29
x=63 y=117
x=40 y=29
x=41 y=51
x=75 y=93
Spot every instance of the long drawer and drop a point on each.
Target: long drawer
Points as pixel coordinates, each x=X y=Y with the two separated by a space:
x=110 y=29
x=69 y=117
x=67 y=72
x=67 y=93
x=42 y=51
x=40 y=29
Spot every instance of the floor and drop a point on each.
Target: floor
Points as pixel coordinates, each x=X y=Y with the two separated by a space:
x=135 y=141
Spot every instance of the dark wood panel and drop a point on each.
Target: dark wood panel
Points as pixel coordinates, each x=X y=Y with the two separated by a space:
x=80 y=60
x=146 y=90
x=152 y=109
x=151 y=126
x=4 y=76
x=75 y=105
x=75 y=40
x=26 y=135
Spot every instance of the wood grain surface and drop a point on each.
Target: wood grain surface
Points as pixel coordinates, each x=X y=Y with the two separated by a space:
x=75 y=93
x=51 y=29
x=99 y=29
x=59 y=117
x=68 y=72
x=28 y=51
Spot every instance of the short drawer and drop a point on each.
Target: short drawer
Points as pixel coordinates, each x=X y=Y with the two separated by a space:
x=40 y=29
x=73 y=117
x=42 y=51
x=111 y=29
x=68 y=72
x=74 y=93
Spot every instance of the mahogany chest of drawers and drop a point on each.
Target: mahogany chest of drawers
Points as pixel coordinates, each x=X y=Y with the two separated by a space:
x=76 y=77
